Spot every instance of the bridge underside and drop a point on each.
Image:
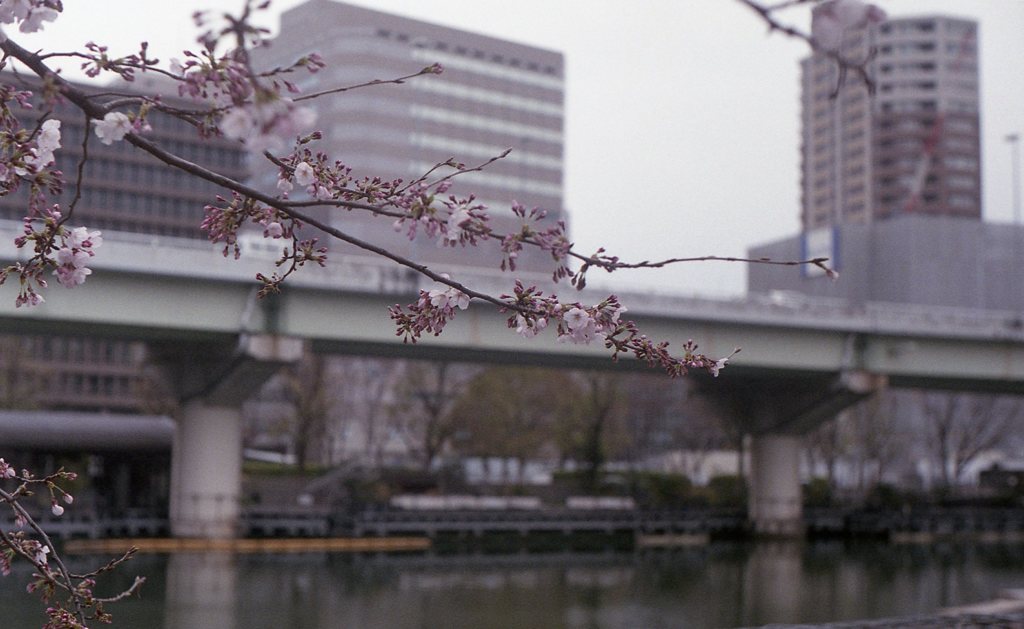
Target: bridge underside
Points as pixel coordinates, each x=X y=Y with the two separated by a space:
x=776 y=412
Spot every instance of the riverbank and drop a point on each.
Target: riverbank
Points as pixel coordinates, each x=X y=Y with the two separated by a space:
x=290 y=545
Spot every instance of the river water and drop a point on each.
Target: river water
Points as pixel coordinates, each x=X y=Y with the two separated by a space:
x=718 y=585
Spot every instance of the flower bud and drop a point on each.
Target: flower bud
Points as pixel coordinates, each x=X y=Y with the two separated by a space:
x=57 y=509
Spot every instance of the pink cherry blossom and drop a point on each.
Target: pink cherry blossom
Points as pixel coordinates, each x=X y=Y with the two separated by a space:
x=450 y=297
x=274 y=230
x=40 y=553
x=304 y=174
x=114 y=126
x=46 y=143
x=72 y=257
x=718 y=365
x=529 y=328
x=832 y=19
x=237 y=123
x=269 y=125
x=69 y=277
x=82 y=237
x=31 y=13
x=576 y=318
x=458 y=217
x=34 y=22
x=77 y=248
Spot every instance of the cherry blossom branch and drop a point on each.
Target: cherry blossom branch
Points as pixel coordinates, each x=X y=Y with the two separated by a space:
x=132 y=590
x=788 y=4
x=110 y=565
x=434 y=308
x=613 y=264
x=80 y=99
x=259 y=116
x=841 y=14
x=22 y=515
x=51 y=574
x=608 y=263
x=431 y=69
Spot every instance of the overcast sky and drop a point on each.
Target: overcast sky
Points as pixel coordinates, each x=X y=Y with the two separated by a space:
x=682 y=117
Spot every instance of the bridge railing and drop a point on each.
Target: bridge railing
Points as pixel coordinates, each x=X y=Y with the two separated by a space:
x=368 y=274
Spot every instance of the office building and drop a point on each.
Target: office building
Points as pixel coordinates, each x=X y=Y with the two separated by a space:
x=910 y=147
x=493 y=95
x=125 y=193
x=127 y=190
x=911 y=259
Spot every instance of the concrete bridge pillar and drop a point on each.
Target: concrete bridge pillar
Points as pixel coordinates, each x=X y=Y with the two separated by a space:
x=206 y=471
x=776 y=411
x=776 y=502
x=211 y=382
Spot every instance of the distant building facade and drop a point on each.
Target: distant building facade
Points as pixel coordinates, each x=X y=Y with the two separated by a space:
x=127 y=191
x=493 y=95
x=914 y=259
x=912 y=146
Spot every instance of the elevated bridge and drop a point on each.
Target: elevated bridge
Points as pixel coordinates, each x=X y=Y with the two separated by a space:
x=802 y=361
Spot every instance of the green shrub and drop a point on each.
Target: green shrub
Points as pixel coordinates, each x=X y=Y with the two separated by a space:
x=727 y=490
x=818 y=493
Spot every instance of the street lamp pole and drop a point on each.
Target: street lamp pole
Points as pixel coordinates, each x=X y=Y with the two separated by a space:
x=1014 y=140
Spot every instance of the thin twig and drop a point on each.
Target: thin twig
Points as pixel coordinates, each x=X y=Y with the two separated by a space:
x=65 y=581
x=80 y=174
x=845 y=64
x=136 y=584
x=338 y=90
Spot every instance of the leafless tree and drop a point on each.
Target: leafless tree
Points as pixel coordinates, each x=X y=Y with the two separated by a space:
x=600 y=404
x=427 y=394
x=961 y=426
x=515 y=413
x=21 y=380
x=309 y=393
x=659 y=419
x=865 y=439
x=824 y=448
x=874 y=440
x=361 y=420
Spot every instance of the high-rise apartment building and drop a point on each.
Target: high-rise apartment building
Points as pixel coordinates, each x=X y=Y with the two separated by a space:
x=493 y=95
x=910 y=147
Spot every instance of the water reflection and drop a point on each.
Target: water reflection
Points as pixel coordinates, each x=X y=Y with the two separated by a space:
x=772 y=569
x=201 y=590
x=720 y=585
